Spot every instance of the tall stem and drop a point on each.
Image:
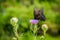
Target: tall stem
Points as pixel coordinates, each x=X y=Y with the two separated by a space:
x=15 y=31
x=35 y=31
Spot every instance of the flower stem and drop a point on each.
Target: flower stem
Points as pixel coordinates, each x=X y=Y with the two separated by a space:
x=34 y=37
x=35 y=31
x=15 y=31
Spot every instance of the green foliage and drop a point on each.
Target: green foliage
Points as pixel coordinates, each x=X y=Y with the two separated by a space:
x=24 y=12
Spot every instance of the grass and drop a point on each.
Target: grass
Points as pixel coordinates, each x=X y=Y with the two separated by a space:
x=29 y=36
x=25 y=14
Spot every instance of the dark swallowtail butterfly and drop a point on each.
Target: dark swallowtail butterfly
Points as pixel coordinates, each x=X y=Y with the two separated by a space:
x=39 y=14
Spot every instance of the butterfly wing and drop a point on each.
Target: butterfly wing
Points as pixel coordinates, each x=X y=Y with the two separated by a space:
x=35 y=13
x=41 y=14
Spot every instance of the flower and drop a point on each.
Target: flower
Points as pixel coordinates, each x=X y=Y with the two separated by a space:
x=44 y=27
x=14 y=38
x=33 y=21
x=42 y=37
x=14 y=20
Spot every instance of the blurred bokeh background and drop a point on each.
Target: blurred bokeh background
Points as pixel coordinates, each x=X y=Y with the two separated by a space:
x=23 y=10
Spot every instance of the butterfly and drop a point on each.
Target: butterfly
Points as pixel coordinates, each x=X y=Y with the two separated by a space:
x=39 y=14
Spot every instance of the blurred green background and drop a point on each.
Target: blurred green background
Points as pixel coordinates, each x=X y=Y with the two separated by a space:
x=23 y=10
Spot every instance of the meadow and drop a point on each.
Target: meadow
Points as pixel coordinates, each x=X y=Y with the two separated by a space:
x=24 y=13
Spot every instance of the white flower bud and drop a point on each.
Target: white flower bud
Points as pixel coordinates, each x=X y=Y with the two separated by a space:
x=14 y=38
x=42 y=37
x=14 y=20
x=44 y=27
